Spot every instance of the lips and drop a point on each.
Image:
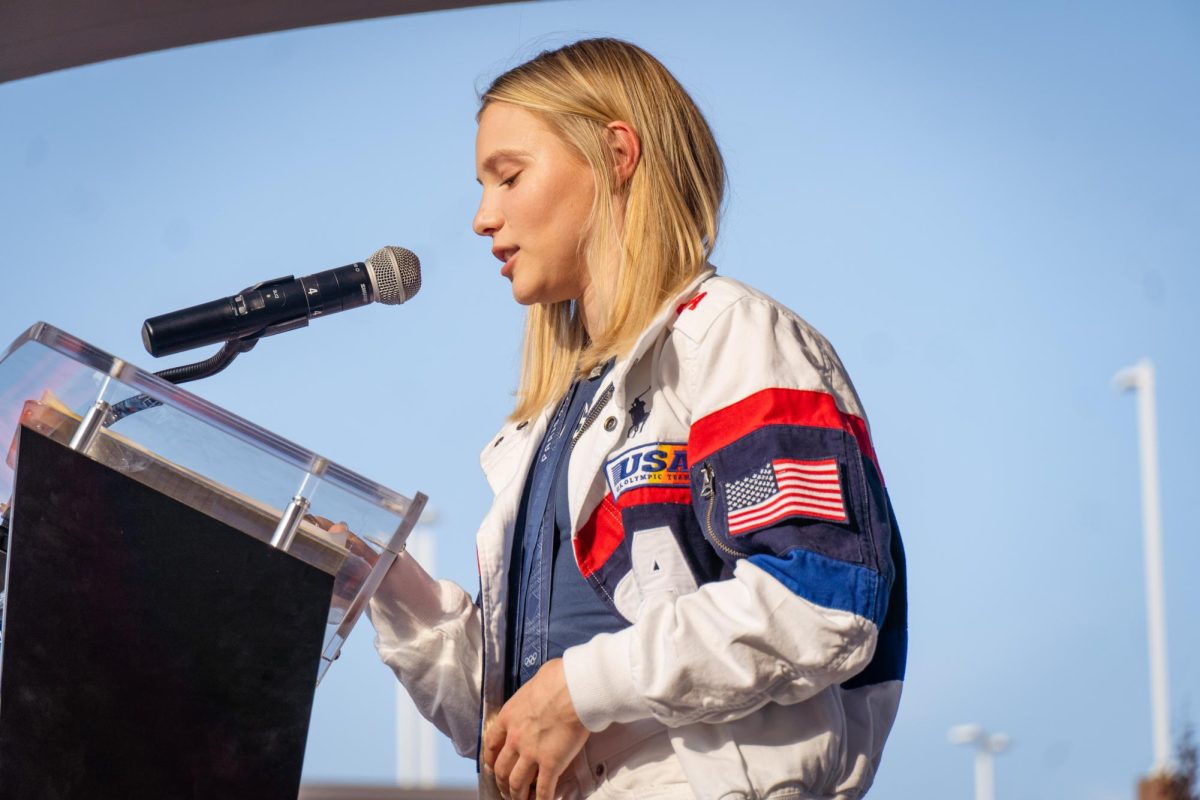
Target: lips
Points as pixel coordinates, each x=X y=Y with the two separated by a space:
x=504 y=253
x=507 y=255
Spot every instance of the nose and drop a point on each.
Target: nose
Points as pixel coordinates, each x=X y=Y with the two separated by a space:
x=487 y=218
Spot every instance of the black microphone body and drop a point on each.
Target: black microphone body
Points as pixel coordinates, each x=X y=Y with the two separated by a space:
x=264 y=309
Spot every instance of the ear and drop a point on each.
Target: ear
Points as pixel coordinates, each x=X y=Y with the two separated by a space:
x=626 y=149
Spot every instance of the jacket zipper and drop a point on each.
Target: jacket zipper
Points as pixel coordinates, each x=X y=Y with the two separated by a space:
x=592 y=415
x=708 y=492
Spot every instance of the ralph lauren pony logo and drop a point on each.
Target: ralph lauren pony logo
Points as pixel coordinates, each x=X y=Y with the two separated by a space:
x=639 y=414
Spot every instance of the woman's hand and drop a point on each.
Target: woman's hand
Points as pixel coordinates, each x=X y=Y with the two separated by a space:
x=357 y=566
x=535 y=736
x=353 y=544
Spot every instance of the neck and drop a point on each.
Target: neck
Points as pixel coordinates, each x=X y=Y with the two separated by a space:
x=589 y=308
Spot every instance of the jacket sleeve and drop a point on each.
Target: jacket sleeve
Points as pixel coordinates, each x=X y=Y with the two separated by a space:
x=786 y=490
x=429 y=634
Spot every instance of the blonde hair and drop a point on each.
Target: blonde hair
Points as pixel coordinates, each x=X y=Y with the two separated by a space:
x=672 y=201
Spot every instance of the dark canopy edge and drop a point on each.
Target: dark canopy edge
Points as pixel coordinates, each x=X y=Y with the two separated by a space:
x=38 y=36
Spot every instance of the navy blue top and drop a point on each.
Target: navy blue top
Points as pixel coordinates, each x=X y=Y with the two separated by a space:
x=551 y=607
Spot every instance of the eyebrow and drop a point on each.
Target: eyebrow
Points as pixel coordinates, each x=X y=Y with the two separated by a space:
x=489 y=163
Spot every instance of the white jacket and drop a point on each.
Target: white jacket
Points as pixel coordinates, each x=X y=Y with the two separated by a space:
x=736 y=516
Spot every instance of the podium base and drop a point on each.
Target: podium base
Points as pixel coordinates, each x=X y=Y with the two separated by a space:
x=149 y=651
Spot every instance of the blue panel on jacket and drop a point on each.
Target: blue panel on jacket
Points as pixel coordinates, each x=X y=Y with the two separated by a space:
x=829 y=583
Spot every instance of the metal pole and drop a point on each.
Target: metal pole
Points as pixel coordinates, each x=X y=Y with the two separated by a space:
x=986 y=745
x=1140 y=378
x=416 y=757
x=404 y=737
x=427 y=759
x=407 y=719
x=985 y=775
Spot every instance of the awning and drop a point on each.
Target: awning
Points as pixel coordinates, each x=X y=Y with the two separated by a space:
x=39 y=36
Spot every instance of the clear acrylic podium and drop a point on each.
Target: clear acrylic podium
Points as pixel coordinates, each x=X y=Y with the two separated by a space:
x=171 y=592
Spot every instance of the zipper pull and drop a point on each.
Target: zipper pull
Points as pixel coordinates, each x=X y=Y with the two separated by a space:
x=706 y=489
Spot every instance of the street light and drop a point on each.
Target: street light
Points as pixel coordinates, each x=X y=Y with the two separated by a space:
x=987 y=745
x=1140 y=378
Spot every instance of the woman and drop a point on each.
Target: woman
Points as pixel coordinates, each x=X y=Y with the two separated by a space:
x=691 y=580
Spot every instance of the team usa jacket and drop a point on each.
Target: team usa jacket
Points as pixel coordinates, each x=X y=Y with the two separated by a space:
x=726 y=500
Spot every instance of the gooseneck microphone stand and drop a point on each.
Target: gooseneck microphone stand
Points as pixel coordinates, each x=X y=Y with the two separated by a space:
x=183 y=374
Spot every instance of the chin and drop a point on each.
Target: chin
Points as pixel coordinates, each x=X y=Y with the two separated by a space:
x=522 y=294
x=528 y=295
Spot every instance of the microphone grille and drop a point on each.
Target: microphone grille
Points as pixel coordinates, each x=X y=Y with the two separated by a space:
x=397 y=274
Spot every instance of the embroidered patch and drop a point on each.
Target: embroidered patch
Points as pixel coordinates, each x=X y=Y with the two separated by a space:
x=656 y=464
x=639 y=414
x=690 y=305
x=785 y=488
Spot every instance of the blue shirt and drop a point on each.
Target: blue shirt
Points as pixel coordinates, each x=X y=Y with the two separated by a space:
x=551 y=606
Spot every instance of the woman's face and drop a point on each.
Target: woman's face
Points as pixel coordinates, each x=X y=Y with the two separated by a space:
x=537 y=196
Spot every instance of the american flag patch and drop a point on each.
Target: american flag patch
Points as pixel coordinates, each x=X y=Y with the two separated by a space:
x=785 y=488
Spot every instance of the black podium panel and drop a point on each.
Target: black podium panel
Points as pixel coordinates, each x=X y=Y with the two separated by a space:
x=149 y=651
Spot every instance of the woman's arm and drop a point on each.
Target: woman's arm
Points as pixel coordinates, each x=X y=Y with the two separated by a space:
x=786 y=490
x=429 y=634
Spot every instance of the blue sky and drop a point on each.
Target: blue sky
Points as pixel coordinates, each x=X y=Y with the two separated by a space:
x=988 y=208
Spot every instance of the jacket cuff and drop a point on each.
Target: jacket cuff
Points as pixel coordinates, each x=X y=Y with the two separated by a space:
x=409 y=604
x=600 y=681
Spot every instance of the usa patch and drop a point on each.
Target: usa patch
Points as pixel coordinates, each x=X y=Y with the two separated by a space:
x=657 y=464
x=785 y=488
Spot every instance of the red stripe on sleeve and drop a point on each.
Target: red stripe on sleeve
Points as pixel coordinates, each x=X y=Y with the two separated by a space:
x=858 y=426
x=775 y=407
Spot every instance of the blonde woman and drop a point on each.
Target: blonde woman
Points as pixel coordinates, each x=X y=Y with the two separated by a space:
x=692 y=584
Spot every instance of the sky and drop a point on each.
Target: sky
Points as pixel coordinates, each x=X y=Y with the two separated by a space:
x=989 y=209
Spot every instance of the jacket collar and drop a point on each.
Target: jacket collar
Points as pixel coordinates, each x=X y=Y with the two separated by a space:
x=665 y=318
x=500 y=459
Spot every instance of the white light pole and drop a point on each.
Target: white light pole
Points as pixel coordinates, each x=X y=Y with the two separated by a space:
x=987 y=745
x=416 y=759
x=1140 y=378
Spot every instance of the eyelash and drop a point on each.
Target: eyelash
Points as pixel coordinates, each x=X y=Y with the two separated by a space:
x=510 y=181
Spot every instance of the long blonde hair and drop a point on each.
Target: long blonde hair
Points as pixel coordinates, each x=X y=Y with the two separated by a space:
x=672 y=201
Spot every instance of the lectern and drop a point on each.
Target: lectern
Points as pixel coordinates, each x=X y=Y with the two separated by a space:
x=172 y=590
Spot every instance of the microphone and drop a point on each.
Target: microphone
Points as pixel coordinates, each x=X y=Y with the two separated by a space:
x=390 y=276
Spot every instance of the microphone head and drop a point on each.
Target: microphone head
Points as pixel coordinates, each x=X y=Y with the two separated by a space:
x=395 y=274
